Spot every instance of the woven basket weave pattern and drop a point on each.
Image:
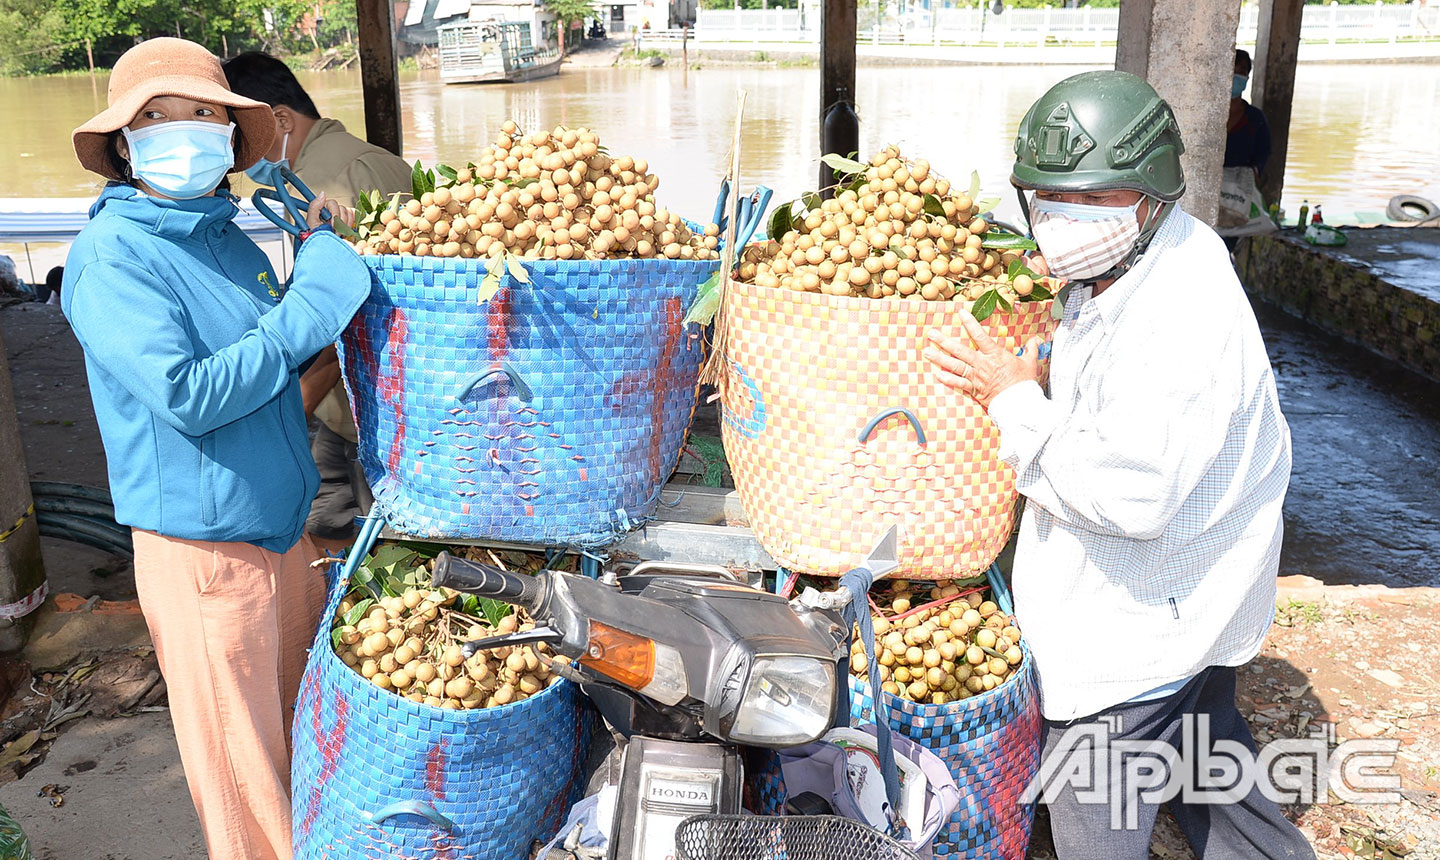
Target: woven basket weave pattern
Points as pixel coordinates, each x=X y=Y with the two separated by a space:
x=600 y=344
x=808 y=372
x=504 y=776
x=992 y=744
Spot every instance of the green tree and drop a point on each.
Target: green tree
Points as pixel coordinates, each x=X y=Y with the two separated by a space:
x=339 y=24
x=568 y=12
x=32 y=35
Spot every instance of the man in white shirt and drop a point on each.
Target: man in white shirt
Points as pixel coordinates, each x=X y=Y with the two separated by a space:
x=1154 y=473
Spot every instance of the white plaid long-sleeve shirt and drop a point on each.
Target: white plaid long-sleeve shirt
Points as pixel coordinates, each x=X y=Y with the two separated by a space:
x=1154 y=475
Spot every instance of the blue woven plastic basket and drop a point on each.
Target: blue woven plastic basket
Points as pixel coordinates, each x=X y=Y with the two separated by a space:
x=550 y=414
x=377 y=776
x=992 y=744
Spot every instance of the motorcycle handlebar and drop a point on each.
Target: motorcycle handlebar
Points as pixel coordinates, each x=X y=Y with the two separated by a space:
x=486 y=581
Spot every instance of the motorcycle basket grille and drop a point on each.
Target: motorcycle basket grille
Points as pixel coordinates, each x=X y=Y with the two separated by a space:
x=799 y=837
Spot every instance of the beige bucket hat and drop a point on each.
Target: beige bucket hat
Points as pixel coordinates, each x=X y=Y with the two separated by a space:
x=170 y=67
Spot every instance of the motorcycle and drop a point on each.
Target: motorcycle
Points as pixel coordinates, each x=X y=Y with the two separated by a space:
x=689 y=666
x=597 y=31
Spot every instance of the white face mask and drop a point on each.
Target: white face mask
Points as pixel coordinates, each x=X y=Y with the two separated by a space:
x=183 y=159
x=1081 y=242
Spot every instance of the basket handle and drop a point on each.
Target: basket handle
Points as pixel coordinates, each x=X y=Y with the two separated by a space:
x=869 y=430
x=856 y=614
x=411 y=807
x=999 y=590
x=281 y=194
x=750 y=212
x=1044 y=350
x=522 y=390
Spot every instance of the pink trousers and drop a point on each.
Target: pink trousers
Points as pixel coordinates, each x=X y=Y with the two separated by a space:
x=231 y=624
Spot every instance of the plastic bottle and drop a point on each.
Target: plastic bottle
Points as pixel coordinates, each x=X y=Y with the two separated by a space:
x=1304 y=210
x=1317 y=218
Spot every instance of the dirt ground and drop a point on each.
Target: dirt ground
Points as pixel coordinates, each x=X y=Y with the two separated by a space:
x=1343 y=663
x=88 y=763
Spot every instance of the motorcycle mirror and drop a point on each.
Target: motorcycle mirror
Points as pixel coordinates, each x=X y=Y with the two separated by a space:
x=539 y=634
x=884 y=558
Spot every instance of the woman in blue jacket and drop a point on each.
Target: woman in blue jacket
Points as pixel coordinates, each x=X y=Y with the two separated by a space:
x=193 y=359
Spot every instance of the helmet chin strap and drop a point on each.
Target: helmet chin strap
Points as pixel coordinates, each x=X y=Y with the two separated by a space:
x=1158 y=210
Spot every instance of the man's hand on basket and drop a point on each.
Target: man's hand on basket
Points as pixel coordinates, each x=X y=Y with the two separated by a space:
x=983 y=369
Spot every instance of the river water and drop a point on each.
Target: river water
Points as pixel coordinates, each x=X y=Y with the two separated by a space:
x=1362 y=506
x=1361 y=133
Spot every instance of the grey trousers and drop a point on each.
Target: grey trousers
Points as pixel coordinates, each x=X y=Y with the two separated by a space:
x=1245 y=829
x=343 y=494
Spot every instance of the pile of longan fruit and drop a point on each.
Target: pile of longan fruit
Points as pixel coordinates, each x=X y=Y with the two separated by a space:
x=550 y=195
x=879 y=240
x=939 y=654
x=411 y=645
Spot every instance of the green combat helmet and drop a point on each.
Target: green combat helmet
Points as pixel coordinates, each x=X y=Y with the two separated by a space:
x=1100 y=131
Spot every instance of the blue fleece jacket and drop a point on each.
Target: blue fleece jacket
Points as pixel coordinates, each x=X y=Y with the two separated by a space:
x=195 y=382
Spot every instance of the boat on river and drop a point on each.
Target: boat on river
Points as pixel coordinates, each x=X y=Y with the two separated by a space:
x=479 y=52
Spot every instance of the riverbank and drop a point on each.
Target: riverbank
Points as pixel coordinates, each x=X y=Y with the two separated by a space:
x=783 y=50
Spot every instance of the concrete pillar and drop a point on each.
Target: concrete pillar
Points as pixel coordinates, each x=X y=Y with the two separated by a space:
x=1186 y=50
x=1272 y=86
x=21 y=568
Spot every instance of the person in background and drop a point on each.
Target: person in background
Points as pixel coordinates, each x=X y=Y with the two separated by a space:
x=1247 y=139
x=328 y=159
x=1154 y=471
x=53 y=280
x=193 y=359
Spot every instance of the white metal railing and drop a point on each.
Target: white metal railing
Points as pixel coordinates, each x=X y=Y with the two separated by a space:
x=972 y=23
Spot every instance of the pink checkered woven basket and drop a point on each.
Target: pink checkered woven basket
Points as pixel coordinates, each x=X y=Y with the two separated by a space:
x=810 y=374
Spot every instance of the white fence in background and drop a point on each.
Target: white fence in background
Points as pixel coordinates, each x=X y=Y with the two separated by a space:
x=977 y=25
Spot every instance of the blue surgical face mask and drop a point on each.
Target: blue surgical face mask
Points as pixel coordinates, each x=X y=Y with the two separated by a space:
x=267 y=172
x=184 y=159
x=1237 y=85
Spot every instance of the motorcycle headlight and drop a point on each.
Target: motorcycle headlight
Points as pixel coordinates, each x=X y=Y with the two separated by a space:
x=787 y=702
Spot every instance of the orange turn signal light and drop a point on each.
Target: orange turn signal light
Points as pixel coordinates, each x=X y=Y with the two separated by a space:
x=625 y=657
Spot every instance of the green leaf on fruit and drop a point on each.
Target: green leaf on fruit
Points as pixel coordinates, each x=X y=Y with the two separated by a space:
x=517 y=269
x=446 y=171
x=1039 y=293
x=490 y=284
x=985 y=305
x=780 y=221
x=422 y=181
x=1018 y=268
x=1007 y=241
x=811 y=201
x=840 y=164
x=934 y=206
x=494 y=610
x=974 y=185
x=988 y=204
x=706 y=304
x=358 y=611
